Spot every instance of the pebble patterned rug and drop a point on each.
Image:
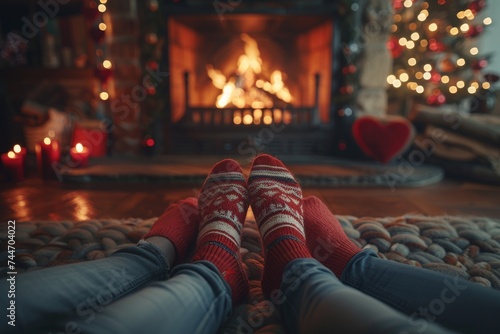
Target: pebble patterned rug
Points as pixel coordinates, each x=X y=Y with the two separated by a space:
x=467 y=247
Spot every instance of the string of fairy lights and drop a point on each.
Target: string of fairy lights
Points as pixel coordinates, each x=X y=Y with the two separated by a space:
x=97 y=18
x=104 y=64
x=435 y=55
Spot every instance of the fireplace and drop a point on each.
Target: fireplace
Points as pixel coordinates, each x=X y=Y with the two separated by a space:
x=255 y=78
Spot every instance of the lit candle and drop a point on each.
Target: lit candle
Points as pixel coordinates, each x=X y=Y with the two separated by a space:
x=22 y=152
x=19 y=150
x=47 y=154
x=79 y=155
x=91 y=134
x=13 y=164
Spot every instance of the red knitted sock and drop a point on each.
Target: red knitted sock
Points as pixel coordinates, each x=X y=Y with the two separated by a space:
x=223 y=206
x=179 y=224
x=276 y=200
x=325 y=237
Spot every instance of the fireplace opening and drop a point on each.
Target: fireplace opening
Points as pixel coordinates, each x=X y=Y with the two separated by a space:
x=248 y=71
x=248 y=85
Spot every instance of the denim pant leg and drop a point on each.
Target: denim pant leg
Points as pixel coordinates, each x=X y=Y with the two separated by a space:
x=427 y=296
x=313 y=300
x=194 y=300
x=50 y=298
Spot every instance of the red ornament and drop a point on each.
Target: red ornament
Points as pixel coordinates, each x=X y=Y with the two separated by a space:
x=478 y=65
x=103 y=74
x=148 y=142
x=436 y=98
x=435 y=77
x=346 y=90
x=397 y=4
x=436 y=46
x=151 y=38
x=96 y=34
x=474 y=31
x=153 y=65
x=477 y=6
x=394 y=47
x=350 y=69
x=151 y=90
x=447 y=63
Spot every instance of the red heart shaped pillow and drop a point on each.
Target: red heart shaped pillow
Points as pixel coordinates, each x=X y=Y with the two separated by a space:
x=382 y=139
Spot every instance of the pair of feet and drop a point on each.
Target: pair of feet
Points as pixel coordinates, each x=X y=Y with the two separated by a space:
x=280 y=212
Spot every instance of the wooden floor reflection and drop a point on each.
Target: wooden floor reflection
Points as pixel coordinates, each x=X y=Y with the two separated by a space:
x=34 y=199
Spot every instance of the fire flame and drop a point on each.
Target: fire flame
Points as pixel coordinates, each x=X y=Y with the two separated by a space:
x=247 y=87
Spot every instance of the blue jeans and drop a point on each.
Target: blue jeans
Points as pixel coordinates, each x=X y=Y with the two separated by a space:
x=128 y=292
x=406 y=299
x=425 y=295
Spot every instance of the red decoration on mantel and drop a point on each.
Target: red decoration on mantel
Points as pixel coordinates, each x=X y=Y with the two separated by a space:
x=382 y=139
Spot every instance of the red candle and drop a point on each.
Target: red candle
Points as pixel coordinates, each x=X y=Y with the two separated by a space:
x=48 y=154
x=22 y=152
x=91 y=135
x=79 y=155
x=13 y=164
x=19 y=150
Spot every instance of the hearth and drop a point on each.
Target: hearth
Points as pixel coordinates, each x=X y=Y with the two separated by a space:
x=256 y=77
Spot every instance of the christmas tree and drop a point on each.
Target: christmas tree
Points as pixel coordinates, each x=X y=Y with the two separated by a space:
x=435 y=52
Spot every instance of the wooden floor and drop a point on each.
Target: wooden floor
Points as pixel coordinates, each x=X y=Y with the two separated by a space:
x=34 y=199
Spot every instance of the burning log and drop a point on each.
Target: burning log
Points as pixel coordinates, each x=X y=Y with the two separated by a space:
x=247 y=86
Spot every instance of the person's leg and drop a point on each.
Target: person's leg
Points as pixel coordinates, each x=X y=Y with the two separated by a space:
x=276 y=200
x=223 y=205
x=313 y=300
x=196 y=299
x=53 y=296
x=426 y=296
x=199 y=296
